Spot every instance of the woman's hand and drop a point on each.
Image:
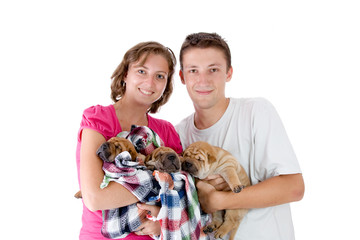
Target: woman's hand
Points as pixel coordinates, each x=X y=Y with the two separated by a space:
x=148 y=227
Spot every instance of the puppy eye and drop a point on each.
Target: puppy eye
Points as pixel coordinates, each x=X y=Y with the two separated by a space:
x=198 y=158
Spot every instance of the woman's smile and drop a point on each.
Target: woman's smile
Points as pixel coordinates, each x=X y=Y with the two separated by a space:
x=146 y=92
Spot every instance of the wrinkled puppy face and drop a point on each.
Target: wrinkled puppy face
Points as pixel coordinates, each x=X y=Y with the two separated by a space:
x=163 y=159
x=110 y=149
x=197 y=159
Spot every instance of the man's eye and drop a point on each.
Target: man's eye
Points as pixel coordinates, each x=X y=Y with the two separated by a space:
x=192 y=71
x=141 y=71
x=213 y=70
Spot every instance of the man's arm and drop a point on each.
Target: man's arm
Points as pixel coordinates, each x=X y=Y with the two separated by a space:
x=273 y=191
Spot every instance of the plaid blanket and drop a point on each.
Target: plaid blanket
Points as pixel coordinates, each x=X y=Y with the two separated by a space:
x=144 y=139
x=179 y=214
x=119 y=222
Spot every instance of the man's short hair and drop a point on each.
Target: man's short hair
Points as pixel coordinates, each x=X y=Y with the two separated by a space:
x=205 y=40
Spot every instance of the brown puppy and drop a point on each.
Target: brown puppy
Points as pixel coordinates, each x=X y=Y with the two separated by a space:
x=110 y=149
x=201 y=159
x=163 y=159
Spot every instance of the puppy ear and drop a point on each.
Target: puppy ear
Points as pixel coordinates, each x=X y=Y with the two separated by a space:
x=133 y=153
x=148 y=158
x=131 y=149
x=211 y=156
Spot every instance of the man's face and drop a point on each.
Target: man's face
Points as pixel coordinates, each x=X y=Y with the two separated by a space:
x=205 y=76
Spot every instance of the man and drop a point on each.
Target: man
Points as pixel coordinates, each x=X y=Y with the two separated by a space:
x=251 y=130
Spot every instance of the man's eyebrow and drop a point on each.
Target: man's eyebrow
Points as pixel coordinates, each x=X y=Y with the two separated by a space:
x=214 y=65
x=190 y=66
x=209 y=66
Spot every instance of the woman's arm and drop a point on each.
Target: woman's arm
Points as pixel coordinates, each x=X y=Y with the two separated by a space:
x=91 y=176
x=273 y=191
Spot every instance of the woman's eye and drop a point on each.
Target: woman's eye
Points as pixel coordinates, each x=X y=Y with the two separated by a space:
x=192 y=71
x=141 y=71
x=159 y=76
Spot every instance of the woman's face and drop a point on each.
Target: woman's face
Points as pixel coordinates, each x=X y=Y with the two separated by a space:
x=145 y=83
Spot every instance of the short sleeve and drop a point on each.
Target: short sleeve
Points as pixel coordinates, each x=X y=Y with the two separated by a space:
x=273 y=152
x=101 y=119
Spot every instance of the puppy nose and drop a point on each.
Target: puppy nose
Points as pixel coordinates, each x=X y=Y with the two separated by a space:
x=104 y=146
x=103 y=151
x=187 y=165
x=171 y=157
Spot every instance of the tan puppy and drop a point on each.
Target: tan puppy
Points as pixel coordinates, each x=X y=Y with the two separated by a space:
x=111 y=148
x=163 y=159
x=201 y=159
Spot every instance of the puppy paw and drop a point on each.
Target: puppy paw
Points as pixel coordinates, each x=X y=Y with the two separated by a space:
x=222 y=231
x=219 y=235
x=212 y=227
x=140 y=158
x=238 y=188
x=78 y=195
x=208 y=229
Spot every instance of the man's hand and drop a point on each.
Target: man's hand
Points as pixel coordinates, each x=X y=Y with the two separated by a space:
x=207 y=196
x=148 y=227
x=218 y=182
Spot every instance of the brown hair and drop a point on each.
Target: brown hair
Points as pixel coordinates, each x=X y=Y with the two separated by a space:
x=118 y=86
x=206 y=40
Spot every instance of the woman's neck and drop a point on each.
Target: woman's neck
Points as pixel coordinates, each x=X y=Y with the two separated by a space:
x=129 y=114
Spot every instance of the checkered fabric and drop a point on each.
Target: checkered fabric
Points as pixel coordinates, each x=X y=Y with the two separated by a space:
x=144 y=139
x=179 y=214
x=119 y=222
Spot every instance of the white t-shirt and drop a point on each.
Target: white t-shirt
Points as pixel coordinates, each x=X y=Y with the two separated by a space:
x=252 y=131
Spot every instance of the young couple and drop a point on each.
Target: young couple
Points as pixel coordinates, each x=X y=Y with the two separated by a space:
x=250 y=129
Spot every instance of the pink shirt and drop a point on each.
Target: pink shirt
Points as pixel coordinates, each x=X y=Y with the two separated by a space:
x=103 y=119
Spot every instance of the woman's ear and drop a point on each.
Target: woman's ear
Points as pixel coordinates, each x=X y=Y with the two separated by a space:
x=182 y=77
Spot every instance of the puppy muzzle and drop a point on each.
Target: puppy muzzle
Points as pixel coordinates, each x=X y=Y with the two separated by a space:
x=189 y=167
x=171 y=162
x=104 y=152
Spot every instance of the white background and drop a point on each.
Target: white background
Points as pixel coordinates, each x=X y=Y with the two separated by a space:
x=56 y=59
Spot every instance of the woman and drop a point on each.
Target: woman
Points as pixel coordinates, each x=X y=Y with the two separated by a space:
x=141 y=84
